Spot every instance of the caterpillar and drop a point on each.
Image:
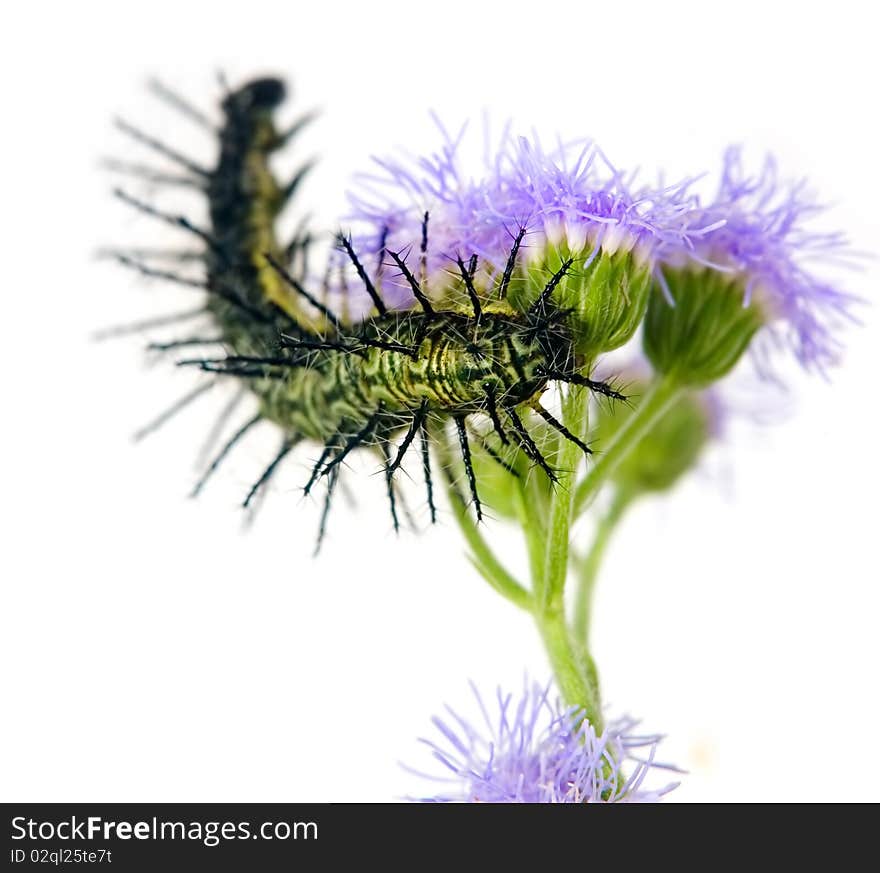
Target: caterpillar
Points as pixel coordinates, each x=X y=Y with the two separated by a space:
x=380 y=382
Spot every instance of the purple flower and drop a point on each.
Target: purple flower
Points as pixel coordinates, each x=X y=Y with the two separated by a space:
x=756 y=229
x=572 y=201
x=569 y=194
x=535 y=751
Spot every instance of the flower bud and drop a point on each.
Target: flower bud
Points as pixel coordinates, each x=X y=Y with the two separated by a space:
x=605 y=293
x=701 y=333
x=668 y=450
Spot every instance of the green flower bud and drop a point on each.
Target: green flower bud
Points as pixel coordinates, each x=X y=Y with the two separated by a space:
x=667 y=451
x=702 y=335
x=606 y=295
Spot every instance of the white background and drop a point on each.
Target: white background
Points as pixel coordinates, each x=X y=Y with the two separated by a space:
x=153 y=651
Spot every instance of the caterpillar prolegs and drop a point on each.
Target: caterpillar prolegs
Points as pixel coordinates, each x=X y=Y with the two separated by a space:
x=387 y=381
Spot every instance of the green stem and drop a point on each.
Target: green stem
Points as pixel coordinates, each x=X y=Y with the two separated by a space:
x=576 y=675
x=572 y=665
x=534 y=530
x=548 y=552
x=568 y=460
x=588 y=568
x=662 y=392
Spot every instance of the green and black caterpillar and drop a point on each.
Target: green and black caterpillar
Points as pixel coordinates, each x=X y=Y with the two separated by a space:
x=395 y=376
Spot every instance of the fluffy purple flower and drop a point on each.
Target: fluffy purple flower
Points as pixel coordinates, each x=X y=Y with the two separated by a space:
x=572 y=200
x=535 y=751
x=569 y=194
x=756 y=229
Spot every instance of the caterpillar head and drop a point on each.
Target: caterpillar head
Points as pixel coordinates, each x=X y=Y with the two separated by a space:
x=249 y=113
x=266 y=94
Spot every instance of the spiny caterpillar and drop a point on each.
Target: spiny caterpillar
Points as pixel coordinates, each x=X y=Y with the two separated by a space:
x=382 y=382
